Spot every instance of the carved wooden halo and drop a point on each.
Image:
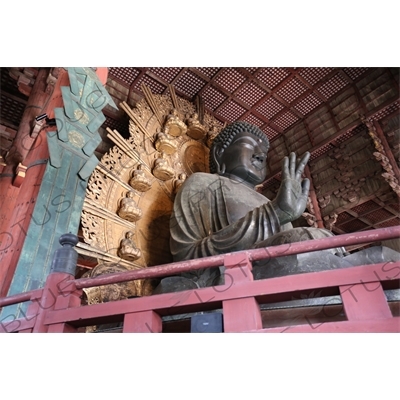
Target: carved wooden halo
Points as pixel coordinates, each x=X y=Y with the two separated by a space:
x=103 y=229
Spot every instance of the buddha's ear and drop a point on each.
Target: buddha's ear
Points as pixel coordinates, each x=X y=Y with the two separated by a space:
x=216 y=154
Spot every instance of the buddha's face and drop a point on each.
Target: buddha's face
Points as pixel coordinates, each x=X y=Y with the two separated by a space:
x=245 y=159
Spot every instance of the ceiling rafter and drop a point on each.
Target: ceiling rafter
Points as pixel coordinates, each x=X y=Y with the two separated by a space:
x=342 y=131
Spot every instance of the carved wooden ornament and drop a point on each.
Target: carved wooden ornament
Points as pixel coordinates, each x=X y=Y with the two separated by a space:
x=151 y=177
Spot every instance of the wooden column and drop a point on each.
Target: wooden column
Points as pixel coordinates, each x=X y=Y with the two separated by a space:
x=35 y=106
x=18 y=202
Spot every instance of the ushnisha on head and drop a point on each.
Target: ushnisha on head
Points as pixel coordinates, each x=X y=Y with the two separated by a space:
x=240 y=153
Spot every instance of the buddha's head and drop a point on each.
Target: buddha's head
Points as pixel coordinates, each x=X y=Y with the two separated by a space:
x=239 y=152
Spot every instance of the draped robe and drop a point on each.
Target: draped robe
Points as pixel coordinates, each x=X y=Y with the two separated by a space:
x=213 y=214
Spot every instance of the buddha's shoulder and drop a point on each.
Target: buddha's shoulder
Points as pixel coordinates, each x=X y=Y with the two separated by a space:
x=202 y=178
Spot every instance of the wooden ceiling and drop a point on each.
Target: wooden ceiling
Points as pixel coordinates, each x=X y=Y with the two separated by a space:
x=348 y=118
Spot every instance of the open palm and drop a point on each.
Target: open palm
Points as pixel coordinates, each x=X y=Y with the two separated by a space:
x=291 y=200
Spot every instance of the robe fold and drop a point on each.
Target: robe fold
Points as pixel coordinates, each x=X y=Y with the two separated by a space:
x=213 y=214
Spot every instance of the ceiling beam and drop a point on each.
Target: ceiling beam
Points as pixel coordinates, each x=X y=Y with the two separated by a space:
x=342 y=131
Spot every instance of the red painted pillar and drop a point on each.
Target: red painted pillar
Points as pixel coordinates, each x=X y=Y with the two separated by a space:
x=18 y=202
x=243 y=314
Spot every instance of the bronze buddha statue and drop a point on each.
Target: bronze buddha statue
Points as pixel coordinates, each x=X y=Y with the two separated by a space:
x=221 y=212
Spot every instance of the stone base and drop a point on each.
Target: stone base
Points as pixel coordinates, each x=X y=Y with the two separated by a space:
x=321 y=261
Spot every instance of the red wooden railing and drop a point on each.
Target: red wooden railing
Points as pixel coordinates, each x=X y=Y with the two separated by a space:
x=57 y=306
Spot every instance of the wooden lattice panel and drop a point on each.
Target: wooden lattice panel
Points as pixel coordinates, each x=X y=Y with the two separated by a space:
x=212 y=98
x=270 y=132
x=387 y=224
x=332 y=86
x=347 y=135
x=230 y=79
x=309 y=103
x=127 y=75
x=251 y=69
x=250 y=94
x=395 y=205
x=285 y=120
x=232 y=111
x=314 y=75
x=291 y=90
x=167 y=74
x=354 y=73
x=387 y=111
x=189 y=84
x=209 y=72
x=379 y=215
x=272 y=77
x=321 y=151
x=365 y=208
x=252 y=119
x=353 y=226
x=270 y=107
x=155 y=86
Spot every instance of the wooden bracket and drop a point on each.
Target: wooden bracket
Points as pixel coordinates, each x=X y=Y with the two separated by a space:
x=20 y=175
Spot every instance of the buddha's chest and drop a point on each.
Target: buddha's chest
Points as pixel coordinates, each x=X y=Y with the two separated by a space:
x=240 y=199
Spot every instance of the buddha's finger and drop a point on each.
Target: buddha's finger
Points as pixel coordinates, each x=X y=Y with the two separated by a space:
x=292 y=164
x=305 y=187
x=302 y=165
x=285 y=168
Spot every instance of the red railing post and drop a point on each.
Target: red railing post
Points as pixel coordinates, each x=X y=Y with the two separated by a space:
x=142 y=322
x=242 y=314
x=68 y=297
x=58 y=292
x=365 y=301
x=33 y=310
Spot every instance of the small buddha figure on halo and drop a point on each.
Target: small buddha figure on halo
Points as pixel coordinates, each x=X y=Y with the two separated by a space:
x=128 y=209
x=128 y=250
x=139 y=181
x=195 y=129
x=162 y=169
x=174 y=126
x=165 y=143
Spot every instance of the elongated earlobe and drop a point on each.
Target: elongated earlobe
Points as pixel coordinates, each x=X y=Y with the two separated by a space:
x=217 y=153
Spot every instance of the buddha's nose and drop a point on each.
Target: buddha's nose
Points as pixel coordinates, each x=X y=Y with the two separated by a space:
x=260 y=157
